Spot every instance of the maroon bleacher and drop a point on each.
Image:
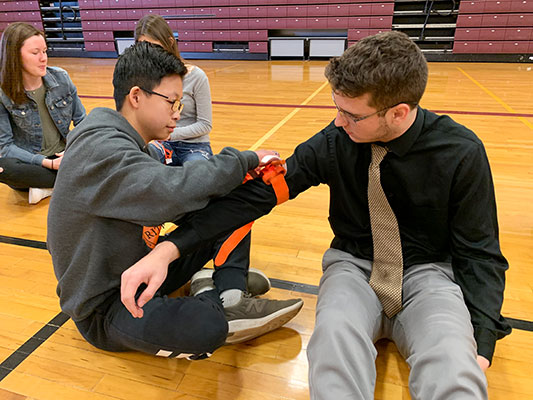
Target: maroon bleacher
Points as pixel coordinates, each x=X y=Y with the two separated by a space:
x=199 y=23
x=483 y=26
x=14 y=11
x=494 y=26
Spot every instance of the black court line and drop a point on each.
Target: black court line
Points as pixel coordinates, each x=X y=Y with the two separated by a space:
x=520 y=324
x=23 y=242
x=19 y=355
x=294 y=286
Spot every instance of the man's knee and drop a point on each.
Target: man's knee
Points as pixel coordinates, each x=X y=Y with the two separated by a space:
x=446 y=370
x=444 y=350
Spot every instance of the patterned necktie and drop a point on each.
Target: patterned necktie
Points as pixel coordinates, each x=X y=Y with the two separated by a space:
x=387 y=268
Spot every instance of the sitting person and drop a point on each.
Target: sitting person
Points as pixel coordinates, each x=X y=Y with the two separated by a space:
x=110 y=200
x=37 y=104
x=190 y=138
x=416 y=256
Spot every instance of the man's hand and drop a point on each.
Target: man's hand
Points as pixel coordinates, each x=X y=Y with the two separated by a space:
x=152 y=270
x=483 y=363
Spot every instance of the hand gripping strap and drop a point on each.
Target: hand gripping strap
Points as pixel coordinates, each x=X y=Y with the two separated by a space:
x=272 y=174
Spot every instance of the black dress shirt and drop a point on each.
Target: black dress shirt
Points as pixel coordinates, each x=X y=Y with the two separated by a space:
x=437 y=179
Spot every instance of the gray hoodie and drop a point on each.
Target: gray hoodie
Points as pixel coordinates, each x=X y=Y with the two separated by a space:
x=107 y=194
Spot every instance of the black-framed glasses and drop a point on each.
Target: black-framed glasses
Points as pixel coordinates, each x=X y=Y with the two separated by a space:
x=177 y=105
x=355 y=119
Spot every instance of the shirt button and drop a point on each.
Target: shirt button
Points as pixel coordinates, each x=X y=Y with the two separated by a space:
x=64 y=102
x=23 y=113
x=58 y=121
x=52 y=107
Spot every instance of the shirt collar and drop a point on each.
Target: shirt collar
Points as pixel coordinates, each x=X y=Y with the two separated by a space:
x=402 y=144
x=49 y=80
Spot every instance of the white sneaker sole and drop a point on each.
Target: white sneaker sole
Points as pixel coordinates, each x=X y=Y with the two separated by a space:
x=208 y=273
x=202 y=274
x=241 y=330
x=35 y=195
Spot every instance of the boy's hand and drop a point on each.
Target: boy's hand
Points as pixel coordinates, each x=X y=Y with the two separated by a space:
x=266 y=156
x=151 y=270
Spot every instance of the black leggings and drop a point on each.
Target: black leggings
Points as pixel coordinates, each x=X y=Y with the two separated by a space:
x=22 y=176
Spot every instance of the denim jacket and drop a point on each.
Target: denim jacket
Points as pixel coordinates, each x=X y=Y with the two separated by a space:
x=20 y=125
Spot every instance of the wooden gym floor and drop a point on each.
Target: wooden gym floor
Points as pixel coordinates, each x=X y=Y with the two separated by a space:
x=277 y=105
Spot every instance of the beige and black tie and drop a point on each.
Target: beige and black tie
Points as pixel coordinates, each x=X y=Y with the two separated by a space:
x=387 y=268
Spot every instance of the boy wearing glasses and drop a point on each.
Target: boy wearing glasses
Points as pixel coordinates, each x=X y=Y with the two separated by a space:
x=416 y=256
x=106 y=214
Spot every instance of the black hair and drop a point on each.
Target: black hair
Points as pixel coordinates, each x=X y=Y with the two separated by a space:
x=144 y=64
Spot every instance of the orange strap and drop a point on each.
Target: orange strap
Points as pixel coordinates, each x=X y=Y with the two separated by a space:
x=272 y=174
x=229 y=245
x=166 y=152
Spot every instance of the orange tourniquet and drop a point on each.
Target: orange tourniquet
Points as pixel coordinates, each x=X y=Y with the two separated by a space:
x=166 y=152
x=272 y=174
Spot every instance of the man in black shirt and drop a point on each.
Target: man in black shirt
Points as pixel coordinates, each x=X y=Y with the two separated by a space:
x=436 y=178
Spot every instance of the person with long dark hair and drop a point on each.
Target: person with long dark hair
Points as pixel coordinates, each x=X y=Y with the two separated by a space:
x=37 y=104
x=190 y=139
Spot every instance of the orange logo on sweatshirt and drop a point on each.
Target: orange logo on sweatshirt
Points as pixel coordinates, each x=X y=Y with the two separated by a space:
x=151 y=235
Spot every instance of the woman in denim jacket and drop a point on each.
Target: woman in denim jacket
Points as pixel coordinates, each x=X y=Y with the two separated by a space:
x=37 y=104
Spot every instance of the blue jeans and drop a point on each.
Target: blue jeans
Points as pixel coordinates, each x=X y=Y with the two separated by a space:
x=177 y=152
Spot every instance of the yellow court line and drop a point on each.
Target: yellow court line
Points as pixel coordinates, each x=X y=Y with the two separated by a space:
x=223 y=69
x=256 y=145
x=503 y=103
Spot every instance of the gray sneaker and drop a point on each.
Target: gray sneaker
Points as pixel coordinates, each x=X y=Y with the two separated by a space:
x=253 y=317
x=257 y=282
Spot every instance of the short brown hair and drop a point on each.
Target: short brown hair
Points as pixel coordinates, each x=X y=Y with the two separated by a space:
x=155 y=27
x=388 y=66
x=11 y=60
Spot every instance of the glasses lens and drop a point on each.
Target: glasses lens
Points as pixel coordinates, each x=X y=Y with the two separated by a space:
x=177 y=106
x=347 y=116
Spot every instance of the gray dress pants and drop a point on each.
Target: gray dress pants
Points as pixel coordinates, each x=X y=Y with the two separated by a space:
x=433 y=332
